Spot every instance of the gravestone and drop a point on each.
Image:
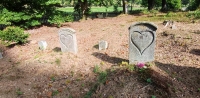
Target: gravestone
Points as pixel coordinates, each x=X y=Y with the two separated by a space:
x=100 y=16
x=1 y=55
x=103 y=45
x=68 y=40
x=42 y=45
x=142 y=37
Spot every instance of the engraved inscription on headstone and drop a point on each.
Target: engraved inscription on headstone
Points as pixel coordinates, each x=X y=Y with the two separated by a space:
x=141 y=42
x=68 y=40
x=42 y=45
x=103 y=45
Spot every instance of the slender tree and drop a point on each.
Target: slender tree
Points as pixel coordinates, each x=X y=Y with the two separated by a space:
x=151 y=4
x=164 y=5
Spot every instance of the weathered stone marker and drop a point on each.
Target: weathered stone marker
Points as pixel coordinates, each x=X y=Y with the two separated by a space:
x=1 y=56
x=42 y=45
x=103 y=45
x=142 y=37
x=68 y=40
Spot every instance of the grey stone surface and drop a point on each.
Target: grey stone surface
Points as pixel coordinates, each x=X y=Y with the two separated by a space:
x=142 y=37
x=100 y=16
x=173 y=26
x=42 y=45
x=68 y=40
x=103 y=45
x=1 y=55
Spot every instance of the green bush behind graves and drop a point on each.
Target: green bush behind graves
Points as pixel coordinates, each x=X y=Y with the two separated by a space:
x=14 y=34
x=194 y=14
x=30 y=13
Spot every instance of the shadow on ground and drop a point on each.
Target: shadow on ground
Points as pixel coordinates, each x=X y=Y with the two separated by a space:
x=195 y=51
x=109 y=59
x=160 y=81
x=57 y=49
x=183 y=82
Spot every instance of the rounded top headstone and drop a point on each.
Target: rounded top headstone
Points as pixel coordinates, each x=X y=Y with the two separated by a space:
x=144 y=23
x=72 y=31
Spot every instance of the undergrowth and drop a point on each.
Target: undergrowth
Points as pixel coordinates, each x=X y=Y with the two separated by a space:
x=102 y=76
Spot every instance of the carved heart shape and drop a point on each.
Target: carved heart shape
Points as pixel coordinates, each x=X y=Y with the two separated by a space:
x=142 y=40
x=66 y=40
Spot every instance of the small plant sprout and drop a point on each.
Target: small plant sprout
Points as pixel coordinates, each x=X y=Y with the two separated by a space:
x=58 y=61
x=153 y=96
x=19 y=92
x=96 y=69
x=149 y=80
x=55 y=92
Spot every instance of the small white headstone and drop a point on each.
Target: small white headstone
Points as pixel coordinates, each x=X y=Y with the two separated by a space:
x=42 y=45
x=173 y=26
x=100 y=16
x=1 y=56
x=103 y=45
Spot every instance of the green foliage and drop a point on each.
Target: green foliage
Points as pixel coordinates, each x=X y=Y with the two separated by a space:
x=173 y=4
x=96 y=69
x=102 y=76
x=157 y=3
x=194 y=4
x=30 y=13
x=56 y=19
x=153 y=96
x=55 y=92
x=69 y=18
x=194 y=14
x=58 y=61
x=14 y=34
x=149 y=80
x=185 y=2
x=19 y=92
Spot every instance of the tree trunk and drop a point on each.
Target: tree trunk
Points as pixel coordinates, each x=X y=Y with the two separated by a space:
x=125 y=5
x=150 y=4
x=84 y=8
x=164 y=6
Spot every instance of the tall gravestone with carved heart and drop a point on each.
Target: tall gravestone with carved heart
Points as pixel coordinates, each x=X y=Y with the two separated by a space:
x=142 y=37
x=68 y=40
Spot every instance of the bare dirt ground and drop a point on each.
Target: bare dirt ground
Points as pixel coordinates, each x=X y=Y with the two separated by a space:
x=28 y=72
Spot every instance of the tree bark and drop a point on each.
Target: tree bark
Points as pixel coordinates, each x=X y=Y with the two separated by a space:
x=150 y=4
x=164 y=6
x=125 y=11
x=82 y=8
x=124 y=5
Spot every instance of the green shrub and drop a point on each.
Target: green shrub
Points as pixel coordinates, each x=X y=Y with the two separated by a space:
x=194 y=5
x=69 y=18
x=29 y=13
x=174 y=4
x=14 y=34
x=56 y=19
x=194 y=14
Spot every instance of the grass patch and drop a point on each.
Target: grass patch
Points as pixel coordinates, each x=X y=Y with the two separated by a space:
x=157 y=16
x=93 y=9
x=102 y=76
x=58 y=61
x=19 y=92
